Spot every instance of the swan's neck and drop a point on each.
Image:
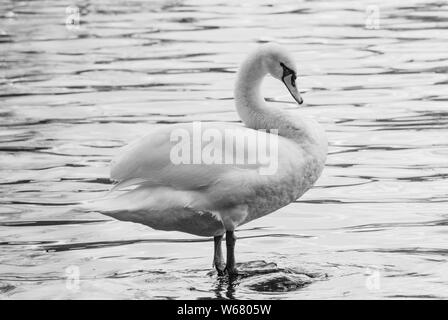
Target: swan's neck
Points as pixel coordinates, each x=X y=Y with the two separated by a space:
x=252 y=107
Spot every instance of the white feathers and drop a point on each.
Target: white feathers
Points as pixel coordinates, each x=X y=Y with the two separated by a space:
x=207 y=199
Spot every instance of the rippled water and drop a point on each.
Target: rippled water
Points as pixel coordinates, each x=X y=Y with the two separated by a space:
x=374 y=226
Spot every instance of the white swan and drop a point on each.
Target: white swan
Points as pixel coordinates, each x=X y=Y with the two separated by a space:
x=213 y=199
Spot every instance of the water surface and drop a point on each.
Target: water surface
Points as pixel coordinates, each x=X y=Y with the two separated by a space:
x=375 y=224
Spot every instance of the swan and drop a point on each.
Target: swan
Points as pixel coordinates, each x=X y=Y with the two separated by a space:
x=214 y=198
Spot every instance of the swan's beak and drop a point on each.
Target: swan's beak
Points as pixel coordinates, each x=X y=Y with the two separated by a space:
x=290 y=83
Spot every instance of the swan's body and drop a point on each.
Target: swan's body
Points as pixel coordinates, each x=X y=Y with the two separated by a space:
x=211 y=199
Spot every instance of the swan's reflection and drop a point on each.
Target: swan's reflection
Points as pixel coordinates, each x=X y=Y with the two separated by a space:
x=225 y=286
x=261 y=276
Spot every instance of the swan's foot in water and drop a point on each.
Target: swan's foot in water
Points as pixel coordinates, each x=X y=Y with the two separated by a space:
x=230 y=244
x=218 y=259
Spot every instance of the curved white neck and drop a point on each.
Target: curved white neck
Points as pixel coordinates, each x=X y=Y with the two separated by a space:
x=252 y=108
x=248 y=99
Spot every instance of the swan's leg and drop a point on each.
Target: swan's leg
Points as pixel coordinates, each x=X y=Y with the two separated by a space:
x=218 y=259
x=230 y=244
x=231 y=218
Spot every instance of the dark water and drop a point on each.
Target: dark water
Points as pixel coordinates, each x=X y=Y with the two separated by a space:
x=375 y=225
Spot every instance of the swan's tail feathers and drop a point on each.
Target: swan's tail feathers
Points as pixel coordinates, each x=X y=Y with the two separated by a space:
x=100 y=205
x=112 y=200
x=127 y=183
x=144 y=199
x=85 y=206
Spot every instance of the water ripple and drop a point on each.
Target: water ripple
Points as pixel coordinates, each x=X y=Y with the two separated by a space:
x=69 y=98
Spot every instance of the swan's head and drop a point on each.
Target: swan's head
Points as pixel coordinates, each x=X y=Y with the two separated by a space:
x=280 y=64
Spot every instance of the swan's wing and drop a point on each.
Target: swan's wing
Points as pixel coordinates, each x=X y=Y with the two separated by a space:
x=149 y=161
x=192 y=198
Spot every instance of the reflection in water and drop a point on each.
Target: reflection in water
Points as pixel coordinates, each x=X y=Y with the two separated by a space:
x=225 y=287
x=70 y=97
x=263 y=277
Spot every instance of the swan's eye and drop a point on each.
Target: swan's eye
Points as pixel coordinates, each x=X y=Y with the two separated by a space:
x=287 y=71
x=293 y=78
